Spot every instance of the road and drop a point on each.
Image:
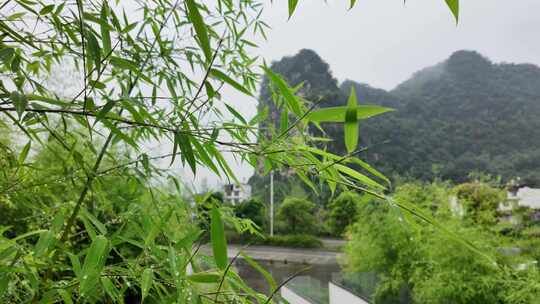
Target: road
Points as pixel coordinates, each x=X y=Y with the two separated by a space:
x=282 y=254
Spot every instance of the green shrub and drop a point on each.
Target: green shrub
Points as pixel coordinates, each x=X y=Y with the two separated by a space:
x=251 y=209
x=297 y=215
x=205 y=203
x=432 y=264
x=342 y=212
x=480 y=202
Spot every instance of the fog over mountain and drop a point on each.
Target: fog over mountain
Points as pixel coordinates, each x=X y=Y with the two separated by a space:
x=464 y=114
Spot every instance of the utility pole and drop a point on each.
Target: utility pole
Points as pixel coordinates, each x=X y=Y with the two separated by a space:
x=272 y=203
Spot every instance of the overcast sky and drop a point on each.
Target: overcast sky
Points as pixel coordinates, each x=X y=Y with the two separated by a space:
x=382 y=42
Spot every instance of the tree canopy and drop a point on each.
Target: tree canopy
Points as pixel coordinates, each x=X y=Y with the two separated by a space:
x=297 y=215
x=417 y=263
x=342 y=211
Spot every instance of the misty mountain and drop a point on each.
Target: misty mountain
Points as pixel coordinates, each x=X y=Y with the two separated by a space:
x=461 y=115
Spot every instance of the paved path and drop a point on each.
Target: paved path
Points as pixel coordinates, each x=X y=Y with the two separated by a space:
x=281 y=254
x=333 y=244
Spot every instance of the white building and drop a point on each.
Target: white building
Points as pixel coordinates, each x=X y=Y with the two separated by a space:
x=236 y=193
x=520 y=197
x=526 y=197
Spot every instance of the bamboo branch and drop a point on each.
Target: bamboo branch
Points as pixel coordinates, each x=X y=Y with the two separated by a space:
x=90 y=178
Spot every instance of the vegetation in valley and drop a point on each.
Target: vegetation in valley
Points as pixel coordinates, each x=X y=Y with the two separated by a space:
x=415 y=263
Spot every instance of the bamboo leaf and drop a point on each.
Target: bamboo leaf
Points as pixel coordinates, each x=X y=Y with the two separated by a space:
x=205 y=277
x=120 y=135
x=97 y=223
x=217 y=237
x=284 y=89
x=171 y=88
x=4 y=282
x=126 y=64
x=58 y=222
x=104 y=28
x=16 y=63
x=337 y=114
x=358 y=176
x=45 y=241
x=223 y=77
x=122 y=63
x=6 y=53
x=94 y=51
x=128 y=105
x=184 y=143
x=65 y=295
x=351 y=123
x=20 y=101
x=177 y=272
x=60 y=8
x=46 y=9
x=221 y=162
x=260 y=116
x=292 y=7
x=110 y=289
x=145 y=162
x=89 y=228
x=93 y=265
x=453 y=5
x=205 y=157
x=28 y=234
x=16 y=16
x=303 y=177
x=24 y=153
x=129 y=27
x=75 y=264
x=370 y=169
x=97 y=84
x=236 y=114
x=200 y=28
x=147 y=279
x=129 y=65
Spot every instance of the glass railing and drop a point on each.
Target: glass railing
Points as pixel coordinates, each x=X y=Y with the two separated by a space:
x=310 y=289
x=364 y=285
x=361 y=284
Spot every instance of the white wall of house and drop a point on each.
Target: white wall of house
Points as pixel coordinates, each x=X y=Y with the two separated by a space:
x=522 y=197
x=527 y=197
x=236 y=193
x=292 y=297
x=340 y=295
x=456 y=207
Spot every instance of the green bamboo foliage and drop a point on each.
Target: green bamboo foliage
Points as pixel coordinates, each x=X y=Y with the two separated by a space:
x=453 y=5
x=149 y=71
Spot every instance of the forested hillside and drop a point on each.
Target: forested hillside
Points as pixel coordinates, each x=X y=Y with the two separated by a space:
x=461 y=115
